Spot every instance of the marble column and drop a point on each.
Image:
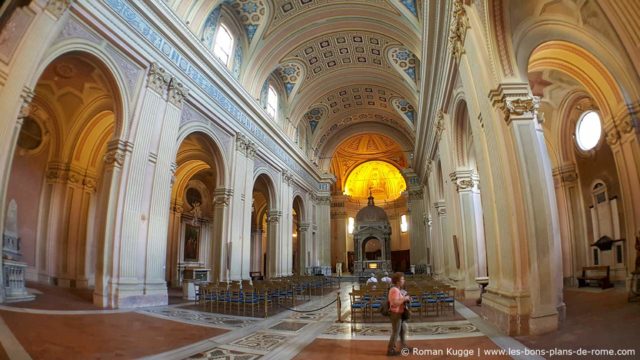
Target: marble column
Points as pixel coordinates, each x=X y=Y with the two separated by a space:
x=247 y=197
x=339 y=222
x=222 y=200
x=323 y=235
x=417 y=233
x=473 y=252
x=256 y=250
x=285 y=238
x=440 y=256
x=175 y=222
x=303 y=239
x=273 y=228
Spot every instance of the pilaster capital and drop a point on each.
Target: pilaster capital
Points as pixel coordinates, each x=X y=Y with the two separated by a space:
x=465 y=180
x=177 y=92
x=222 y=197
x=416 y=194
x=515 y=102
x=178 y=208
x=321 y=199
x=115 y=155
x=251 y=150
x=304 y=226
x=58 y=7
x=441 y=208
x=458 y=29
x=89 y=183
x=287 y=176
x=241 y=143
x=565 y=173
x=26 y=108
x=158 y=79
x=613 y=136
x=274 y=216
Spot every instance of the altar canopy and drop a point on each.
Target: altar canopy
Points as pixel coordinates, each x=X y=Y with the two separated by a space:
x=372 y=240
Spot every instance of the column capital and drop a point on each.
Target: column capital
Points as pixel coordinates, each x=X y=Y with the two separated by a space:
x=177 y=93
x=416 y=194
x=565 y=173
x=222 y=197
x=58 y=7
x=241 y=143
x=441 y=208
x=27 y=107
x=287 y=177
x=304 y=226
x=114 y=157
x=274 y=216
x=458 y=30
x=158 y=79
x=252 y=149
x=465 y=180
x=515 y=102
x=321 y=199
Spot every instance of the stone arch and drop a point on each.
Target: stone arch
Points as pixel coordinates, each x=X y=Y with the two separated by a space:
x=220 y=162
x=74 y=172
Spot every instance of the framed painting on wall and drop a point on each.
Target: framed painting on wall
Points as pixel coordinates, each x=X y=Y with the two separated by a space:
x=191 y=242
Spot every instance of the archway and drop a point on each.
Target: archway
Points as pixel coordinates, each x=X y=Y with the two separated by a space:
x=60 y=177
x=193 y=244
x=372 y=248
x=570 y=93
x=298 y=236
x=264 y=220
x=466 y=179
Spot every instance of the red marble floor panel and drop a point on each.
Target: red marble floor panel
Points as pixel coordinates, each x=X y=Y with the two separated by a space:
x=58 y=298
x=323 y=349
x=108 y=336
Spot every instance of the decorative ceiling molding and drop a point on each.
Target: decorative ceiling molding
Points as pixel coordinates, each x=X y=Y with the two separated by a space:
x=330 y=52
x=285 y=10
x=291 y=73
x=405 y=62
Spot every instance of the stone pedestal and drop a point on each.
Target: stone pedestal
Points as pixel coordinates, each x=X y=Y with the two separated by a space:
x=14 y=284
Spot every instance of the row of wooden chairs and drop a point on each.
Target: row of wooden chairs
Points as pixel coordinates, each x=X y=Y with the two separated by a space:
x=424 y=300
x=259 y=294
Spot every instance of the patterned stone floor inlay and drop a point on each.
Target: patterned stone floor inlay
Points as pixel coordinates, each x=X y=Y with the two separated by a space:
x=262 y=341
x=420 y=329
x=202 y=318
x=220 y=353
x=289 y=326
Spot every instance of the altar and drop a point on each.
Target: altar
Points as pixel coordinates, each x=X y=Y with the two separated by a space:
x=372 y=240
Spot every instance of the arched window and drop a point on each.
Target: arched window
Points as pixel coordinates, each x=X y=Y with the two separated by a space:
x=272 y=102
x=223 y=45
x=588 y=130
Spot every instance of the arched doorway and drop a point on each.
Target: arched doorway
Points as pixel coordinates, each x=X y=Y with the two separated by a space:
x=264 y=222
x=192 y=242
x=60 y=177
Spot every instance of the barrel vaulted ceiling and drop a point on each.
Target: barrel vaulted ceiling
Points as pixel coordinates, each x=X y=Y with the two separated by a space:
x=344 y=66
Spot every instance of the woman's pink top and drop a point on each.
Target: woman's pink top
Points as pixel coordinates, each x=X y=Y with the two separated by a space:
x=396 y=300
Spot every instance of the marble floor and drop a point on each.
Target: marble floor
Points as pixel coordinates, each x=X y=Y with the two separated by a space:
x=57 y=328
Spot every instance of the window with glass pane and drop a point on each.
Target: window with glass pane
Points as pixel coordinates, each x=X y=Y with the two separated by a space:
x=272 y=102
x=588 y=130
x=223 y=45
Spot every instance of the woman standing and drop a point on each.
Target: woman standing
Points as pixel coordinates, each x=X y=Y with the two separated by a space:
x=397 y=299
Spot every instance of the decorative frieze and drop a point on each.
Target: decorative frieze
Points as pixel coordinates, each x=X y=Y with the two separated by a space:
x=177 y=92
x=158 y=79
x=458 y=29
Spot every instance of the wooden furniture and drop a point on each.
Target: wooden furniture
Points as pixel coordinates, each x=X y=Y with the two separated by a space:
x=599 y=274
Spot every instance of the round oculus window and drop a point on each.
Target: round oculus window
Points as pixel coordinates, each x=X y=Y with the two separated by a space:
x=30 y=136
x=588 y=131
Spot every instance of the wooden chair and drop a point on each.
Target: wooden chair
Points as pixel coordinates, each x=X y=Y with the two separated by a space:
x=358 y=304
